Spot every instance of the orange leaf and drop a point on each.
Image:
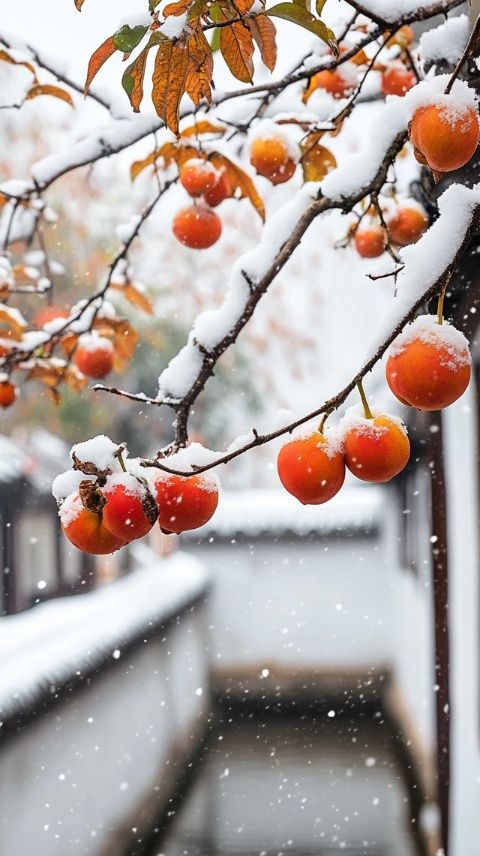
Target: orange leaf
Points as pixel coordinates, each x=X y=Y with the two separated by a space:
x=200 y=67
x=236 y=45
x=203 y=127
x=169 y=79
x=14 y=320
x=5 y=57
x=97 y=59
x=132 y=79
x=135 y=296
x=242 y=185
x=48 y=89
x=178 y=8
x=264 y=33
x=169 y=152
x=79 y=4
x=316 y=160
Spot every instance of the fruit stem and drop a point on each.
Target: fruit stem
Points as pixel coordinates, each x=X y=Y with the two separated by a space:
x=441 y=301
x=120 y=460
x=366 y=409
x=322 y=422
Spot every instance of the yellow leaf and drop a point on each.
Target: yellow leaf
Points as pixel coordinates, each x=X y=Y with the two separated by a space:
x=264 y=33
x=169 y=152
x=316 y=160
x=169 y=78
x=14 y=320
x=242 y=185
x=200 y=67
x=178 y=8
x=98 y=58
x=236 y=45
x=48 y=89
x=203 y=127
x=5 y=57
x=122 y=334
x=134 y=296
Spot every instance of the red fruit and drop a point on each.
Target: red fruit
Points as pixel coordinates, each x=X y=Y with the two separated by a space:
x=129 y=512
x=47 y=314
x=94 y=356
x=397 y=80
x=376 y=449
x=370 y=242
x=85 y=529
x=430 y=365
x=446 y=135
x=407 y=225
x=223 y=189
x=284 y=173
x=8 y=394
x=197 y=227
x=185 y=502
x=197 y=176
x=311 y=468
x=269 y=154
x=332 y=82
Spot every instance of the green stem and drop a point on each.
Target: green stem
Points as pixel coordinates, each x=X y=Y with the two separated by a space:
x=366 y=409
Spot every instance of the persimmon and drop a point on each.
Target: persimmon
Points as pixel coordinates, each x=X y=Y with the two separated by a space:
x=130 y=510
x=85 y=529
x=272 y=157
x=185 y=502
x=407 y=225
x=221 y=190
x=332 y=82
x=47 y=314
x=197 y=176
x=197 y=227
x=376 y=449
x=397 y=80
x=403 y=37
x=94 y=355
x=445 y=134
x=311 y=468
x=429 y=365
x=8 y=394
x=370 y=241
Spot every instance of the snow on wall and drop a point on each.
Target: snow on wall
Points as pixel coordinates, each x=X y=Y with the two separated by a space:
x=51 y=643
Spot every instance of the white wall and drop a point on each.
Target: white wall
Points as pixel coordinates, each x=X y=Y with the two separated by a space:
x=463 y=535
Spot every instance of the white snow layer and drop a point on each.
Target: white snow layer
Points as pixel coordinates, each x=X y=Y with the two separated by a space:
x=446 y=42
x=56 y=640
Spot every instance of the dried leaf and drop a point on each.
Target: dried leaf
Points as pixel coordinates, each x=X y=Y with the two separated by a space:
x=5 y=57
x=200 y=68
x=203 y=127
x=48 y=89
x=122 y=334
x=135 y=296
x=169 y=152
x=236 y=45
x=98 y=58
x=242 y=185
x=132 y=80
x=79 y=4
x=316 y=160
x=264 y=33
x=169 y=79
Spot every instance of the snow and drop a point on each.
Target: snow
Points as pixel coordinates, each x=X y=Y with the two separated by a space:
x=93 y=342
x=354 y=420
x=255 y=512
x=99 y=450
x=266 y=129
x=445 y=42
x=68 y=483
x=71 y=508
x=455 y=347
x=194 y=455
x=56 y=640
x=391 y=10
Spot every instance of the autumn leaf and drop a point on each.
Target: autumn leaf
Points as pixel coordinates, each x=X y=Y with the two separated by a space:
x=123 y=336
x=48 y=89
x=169 y=79
x=200 y=68
x=316 y=160
x=242 y=185
x=203 y=127
x=134 y=295
x=14 y=321
x=236 y=45
x=79 y=4
x=98 y=58
x=178 y=8
x=132 y=80
x=5 y=57
x=298 y=14
x=264 y=33
x=170 y=152
x=127 y=38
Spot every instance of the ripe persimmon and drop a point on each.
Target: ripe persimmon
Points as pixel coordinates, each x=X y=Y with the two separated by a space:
x=311 y=468
x=197 y=227
x=8 y=394
x=332 y=82
x=397 y=80
x=272 y=157
x=407 y=225
x=130 y=510
x=85 y=529
x=197 y=176
x=376 y=449
x=370 y=241
x=47 y=314
x=185 y=502
x=221 y=190
x=94 y=355
x=429 y=365
x=445 y=134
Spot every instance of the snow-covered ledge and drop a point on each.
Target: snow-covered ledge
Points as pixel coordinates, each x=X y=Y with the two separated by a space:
x=65 y=640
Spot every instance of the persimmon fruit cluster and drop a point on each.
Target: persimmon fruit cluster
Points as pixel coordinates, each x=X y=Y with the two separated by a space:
x=197 y=226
